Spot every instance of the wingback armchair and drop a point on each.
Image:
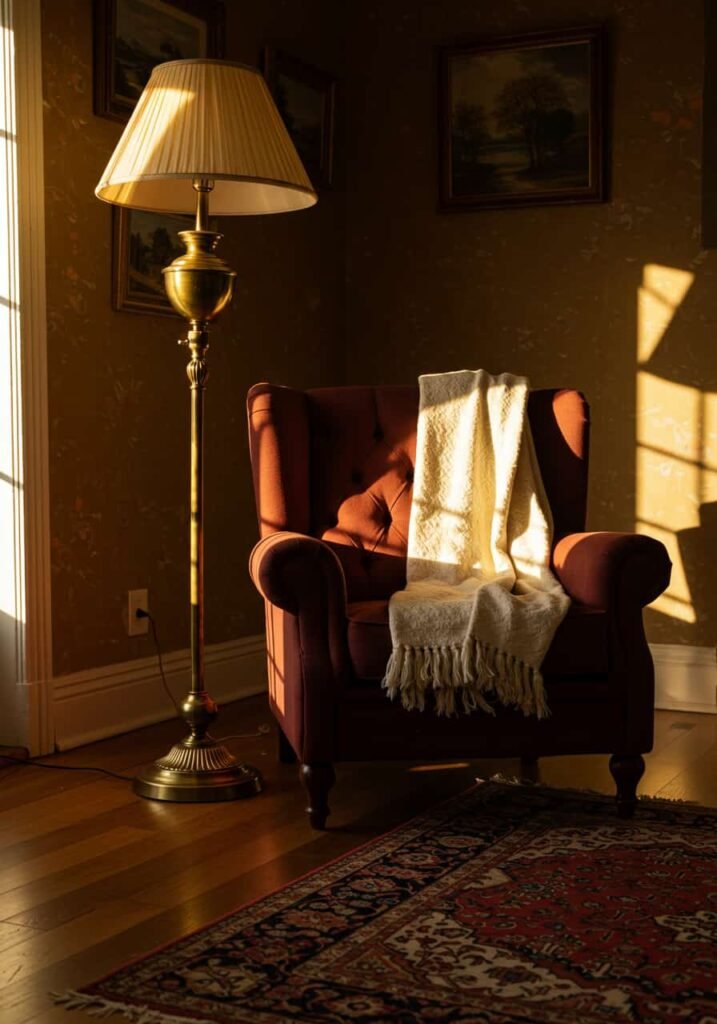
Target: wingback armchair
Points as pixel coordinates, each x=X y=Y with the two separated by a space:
x=333 y=472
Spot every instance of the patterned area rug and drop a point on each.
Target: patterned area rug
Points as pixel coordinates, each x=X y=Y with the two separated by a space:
x=506 y=905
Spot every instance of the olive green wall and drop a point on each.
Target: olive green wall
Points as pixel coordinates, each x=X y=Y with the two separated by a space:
x=118 y=398
x=552 y=292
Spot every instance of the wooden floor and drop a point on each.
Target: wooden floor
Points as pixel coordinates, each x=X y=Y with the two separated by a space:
x=92 y=876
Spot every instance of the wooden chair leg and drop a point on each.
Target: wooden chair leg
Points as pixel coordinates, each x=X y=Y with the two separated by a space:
x=626 y=770
x=318 y=780
x=286 y=751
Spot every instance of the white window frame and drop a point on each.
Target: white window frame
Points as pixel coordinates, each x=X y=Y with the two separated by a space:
x=26 y=699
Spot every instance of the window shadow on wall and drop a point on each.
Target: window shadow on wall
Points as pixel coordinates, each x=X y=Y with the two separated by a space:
x=676 y=434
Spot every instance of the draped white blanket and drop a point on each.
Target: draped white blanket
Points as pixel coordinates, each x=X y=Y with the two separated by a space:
x=481 y=605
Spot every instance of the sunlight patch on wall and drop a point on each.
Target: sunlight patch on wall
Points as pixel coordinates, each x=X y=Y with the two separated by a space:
x=677 y=599
x=661 y=293
x=676 y=449
x=709 y=445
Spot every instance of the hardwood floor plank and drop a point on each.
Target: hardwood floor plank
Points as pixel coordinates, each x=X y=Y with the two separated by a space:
x=71 y=856
x=64 y=891
x=104 y=876
x=698 y=781
x=687 y=744
x=138 y=814
x=220 y=866
x=59 y=810
x=28 y=999
x=140 y=873
x=31 y=955
x=12 y=934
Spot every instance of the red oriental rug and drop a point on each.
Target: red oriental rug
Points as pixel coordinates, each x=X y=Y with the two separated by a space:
x=506 y=905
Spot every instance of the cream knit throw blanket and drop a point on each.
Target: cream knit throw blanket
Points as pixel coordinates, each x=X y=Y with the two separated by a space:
x=481 y=605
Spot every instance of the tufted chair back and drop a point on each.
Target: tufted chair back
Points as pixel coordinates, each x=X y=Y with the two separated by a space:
x=337 y=463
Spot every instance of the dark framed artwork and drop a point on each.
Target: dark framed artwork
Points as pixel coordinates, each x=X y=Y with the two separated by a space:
x=522 y=120
x=143 y=244
x=709 y=129
x=131 y=36
x=305 y=98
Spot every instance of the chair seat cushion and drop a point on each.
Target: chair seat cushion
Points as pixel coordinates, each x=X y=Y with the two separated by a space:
x=579 y=647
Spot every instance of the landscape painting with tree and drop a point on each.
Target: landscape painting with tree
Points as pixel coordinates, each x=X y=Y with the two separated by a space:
x=521 y=121
x=304 y=97
x=145 y=242
x=132 y=36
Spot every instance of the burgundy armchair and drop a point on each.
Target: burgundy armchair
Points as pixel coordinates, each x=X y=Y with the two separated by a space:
x=333 y=471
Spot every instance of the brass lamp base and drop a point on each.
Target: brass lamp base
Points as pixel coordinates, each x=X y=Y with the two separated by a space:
x=197 y=772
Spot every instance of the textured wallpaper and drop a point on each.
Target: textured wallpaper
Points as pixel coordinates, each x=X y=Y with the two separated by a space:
x=616 y=299
x=119 y=401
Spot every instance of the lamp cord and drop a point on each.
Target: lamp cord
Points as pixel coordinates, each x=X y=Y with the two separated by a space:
x=142 y=614
x=32 y=763
x=262 y=730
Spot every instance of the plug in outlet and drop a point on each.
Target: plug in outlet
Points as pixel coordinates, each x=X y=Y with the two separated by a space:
x=137 y=599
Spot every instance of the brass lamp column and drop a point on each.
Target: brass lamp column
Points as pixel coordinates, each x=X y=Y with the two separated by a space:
x=171 y=155
x=199 y=285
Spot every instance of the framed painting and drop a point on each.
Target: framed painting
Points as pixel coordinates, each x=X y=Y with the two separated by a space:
x=144 y=243
x=305 y=98
x=131 y=36
x=522 y=121
x=709 y=129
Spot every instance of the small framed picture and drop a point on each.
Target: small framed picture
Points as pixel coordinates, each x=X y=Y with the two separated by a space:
x=144 y=243
x=131 y=36
x=522 y=121
x=305 y=98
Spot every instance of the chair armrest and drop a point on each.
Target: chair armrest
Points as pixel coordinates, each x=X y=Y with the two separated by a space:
x=303 y=578
x=605 y=569
x=294 y=572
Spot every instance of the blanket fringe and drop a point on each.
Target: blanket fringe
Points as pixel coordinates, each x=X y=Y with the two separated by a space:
x=98 y=1006
x=468 y=676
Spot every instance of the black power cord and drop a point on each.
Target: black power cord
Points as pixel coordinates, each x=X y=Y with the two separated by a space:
x=141 y=613
x=33 y=763
x=262 y=730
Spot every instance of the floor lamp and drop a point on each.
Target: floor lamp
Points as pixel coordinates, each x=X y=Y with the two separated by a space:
x=203 y=130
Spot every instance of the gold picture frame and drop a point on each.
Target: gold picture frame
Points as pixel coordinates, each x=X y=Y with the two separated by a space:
x=173 y=30
x=306 y=100
x=144 y=243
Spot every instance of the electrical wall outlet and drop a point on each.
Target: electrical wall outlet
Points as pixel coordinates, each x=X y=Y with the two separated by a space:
x=137 y=599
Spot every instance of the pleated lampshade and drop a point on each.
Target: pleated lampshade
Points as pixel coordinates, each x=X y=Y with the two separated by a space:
x=206 y=119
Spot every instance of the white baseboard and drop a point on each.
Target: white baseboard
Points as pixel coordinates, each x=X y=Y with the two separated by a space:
x=685 y=678
x=96 y=703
